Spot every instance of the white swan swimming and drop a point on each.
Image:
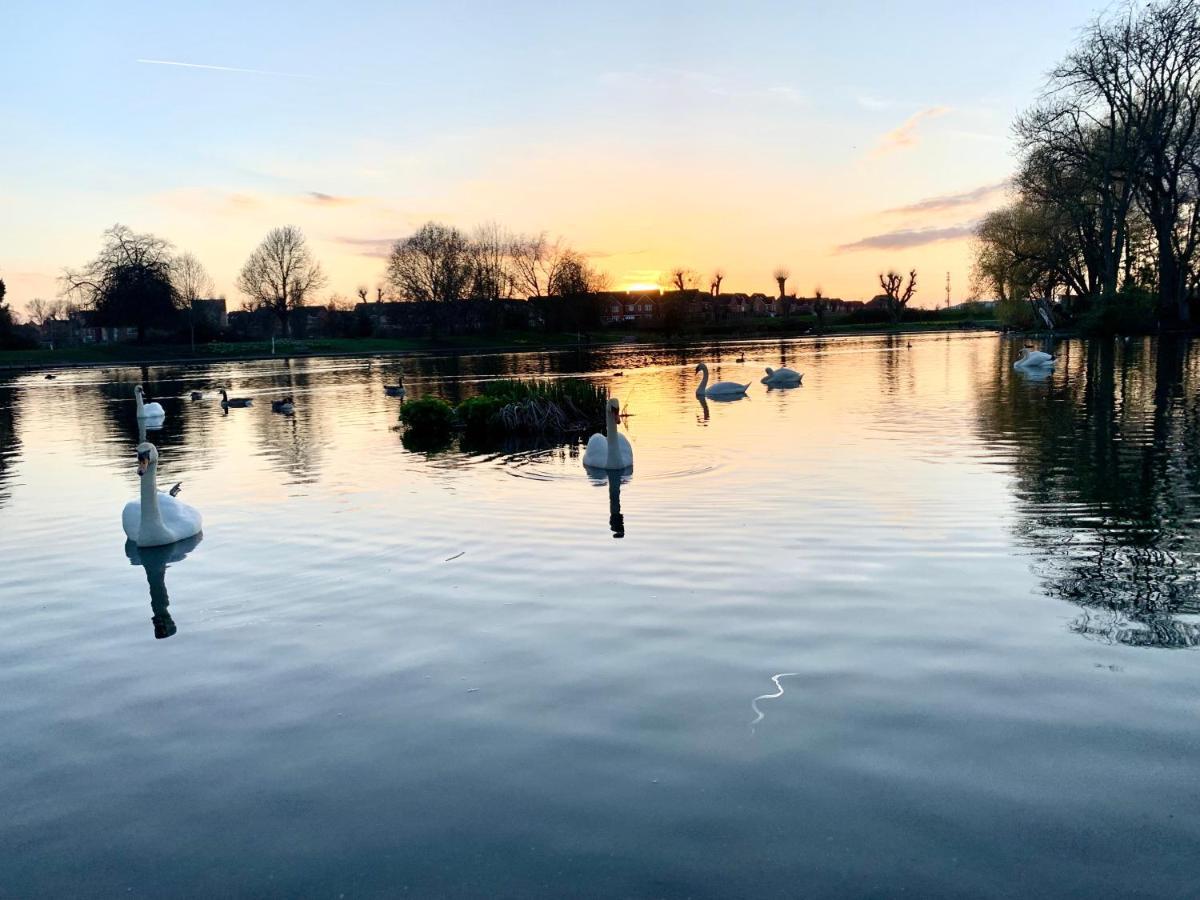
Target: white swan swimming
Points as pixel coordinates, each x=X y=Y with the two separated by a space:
x=396 y=390
x=783 y=377
x=721 y=388
x=147 y=410
x=156 y=518
x=612 y=451
x=1033 y=359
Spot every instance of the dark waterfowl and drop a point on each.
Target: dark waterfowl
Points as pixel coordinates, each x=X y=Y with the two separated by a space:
x=238 y=402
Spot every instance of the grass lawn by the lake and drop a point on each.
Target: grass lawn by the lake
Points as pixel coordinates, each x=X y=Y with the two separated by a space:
x=99 y=354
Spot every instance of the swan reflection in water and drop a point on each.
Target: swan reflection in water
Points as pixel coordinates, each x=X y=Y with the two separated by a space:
x=615 y=478
x=155 y=561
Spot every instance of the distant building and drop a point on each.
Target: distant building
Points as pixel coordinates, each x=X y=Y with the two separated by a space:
x=85 y=330
x=211 y=311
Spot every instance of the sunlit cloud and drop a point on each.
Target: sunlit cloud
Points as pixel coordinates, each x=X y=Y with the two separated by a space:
x=905 y=136
x=953 y=201
x=321 y=199
x=375 y=248
x=906 y=238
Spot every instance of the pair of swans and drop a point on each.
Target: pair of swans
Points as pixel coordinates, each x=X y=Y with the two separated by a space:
x=728 y=390
x=157 y=519
x=1034 y=360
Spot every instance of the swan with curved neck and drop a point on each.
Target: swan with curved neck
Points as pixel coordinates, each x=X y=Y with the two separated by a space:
x=721 y=388
x=156 y=519
x=147 y=410
x=783 y=377
x=611 y=450
x=1033 y=359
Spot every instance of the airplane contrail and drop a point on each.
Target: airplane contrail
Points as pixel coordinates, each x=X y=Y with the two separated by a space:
x=188 y=65
x=269 y=72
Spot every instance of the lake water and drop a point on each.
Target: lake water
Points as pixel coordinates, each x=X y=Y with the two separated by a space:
x=924 y=625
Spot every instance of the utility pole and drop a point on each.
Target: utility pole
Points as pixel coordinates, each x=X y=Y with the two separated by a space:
x=947 y=290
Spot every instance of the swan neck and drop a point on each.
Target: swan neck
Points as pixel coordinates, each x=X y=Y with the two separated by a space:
x=140 y=405
x=703 y=378
x=151 y=514
x=614 y=447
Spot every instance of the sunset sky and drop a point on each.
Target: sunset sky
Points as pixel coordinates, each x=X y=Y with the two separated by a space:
x=835 y=139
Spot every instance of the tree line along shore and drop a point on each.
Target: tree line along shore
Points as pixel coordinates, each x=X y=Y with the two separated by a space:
x=442 y=285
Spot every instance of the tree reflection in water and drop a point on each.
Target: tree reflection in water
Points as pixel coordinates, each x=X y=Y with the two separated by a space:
x=1107 y=459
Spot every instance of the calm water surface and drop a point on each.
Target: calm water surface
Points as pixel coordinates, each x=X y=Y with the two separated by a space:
x=922 y=625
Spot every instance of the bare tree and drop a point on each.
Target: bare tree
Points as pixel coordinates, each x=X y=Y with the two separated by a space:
x=683 y=279
x=535 y=260
x=574 y=276
x=129 y=282
x=897 y=294
x=434 y=263
x=492 y=265
x=280 y=274
x=191 y=280
x=781 y=275
x=42 y=311
x=361 y=290
x=718 y=276
x=820 y=307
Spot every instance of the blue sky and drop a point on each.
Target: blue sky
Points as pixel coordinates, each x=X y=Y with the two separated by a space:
x=648 y=134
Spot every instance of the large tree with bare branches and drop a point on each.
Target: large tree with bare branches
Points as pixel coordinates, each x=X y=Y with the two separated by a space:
x=281 y=274
x=433 y=263
x=535 y=260
x=129 y=283
x=896 y=293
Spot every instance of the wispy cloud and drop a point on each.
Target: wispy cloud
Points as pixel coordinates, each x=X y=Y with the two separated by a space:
x=376 y=248
x=606 y=254
x=321 y=199
x=952 y=201
x=905 y=238
x=905 y=135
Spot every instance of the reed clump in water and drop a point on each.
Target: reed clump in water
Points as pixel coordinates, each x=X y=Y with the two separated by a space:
x=542 y=407
x=513 y=407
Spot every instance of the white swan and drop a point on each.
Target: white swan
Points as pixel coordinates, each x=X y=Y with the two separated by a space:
x=156 y=519
x=147 y=410
x=721 y=388
x=784 y=377
x=1033 y=359
x=612 y=451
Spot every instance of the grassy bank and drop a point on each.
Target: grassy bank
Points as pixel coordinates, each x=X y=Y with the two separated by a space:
x=133 y=354
x=125 y=354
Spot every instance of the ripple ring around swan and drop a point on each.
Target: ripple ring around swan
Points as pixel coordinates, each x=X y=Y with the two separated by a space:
x=759 y=714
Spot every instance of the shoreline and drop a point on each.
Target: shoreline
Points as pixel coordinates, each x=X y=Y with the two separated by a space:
x=432 y=348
